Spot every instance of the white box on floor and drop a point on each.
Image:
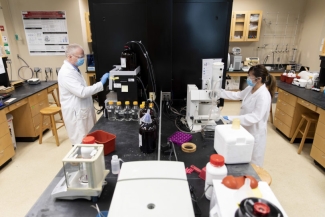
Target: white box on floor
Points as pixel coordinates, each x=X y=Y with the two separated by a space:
x=235 y=145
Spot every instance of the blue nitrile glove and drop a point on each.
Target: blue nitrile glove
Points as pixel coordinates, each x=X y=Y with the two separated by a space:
x=226 y=118
x=104 y=78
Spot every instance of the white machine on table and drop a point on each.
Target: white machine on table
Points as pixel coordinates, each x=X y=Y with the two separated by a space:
x=201 y=105
x=224 y=202
x=84 y=177
x=152 y=188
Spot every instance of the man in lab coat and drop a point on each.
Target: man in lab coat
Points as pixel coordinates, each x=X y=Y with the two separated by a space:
x=75 y=96
x=255 y=108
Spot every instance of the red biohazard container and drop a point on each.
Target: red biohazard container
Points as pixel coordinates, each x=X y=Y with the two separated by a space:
x=107 y=139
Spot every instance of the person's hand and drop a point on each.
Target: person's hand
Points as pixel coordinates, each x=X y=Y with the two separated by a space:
x=104 y=78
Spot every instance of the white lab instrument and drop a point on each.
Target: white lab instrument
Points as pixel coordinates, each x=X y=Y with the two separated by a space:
x=235 y=145
x=117 y=71
x=83 y=177
x=33 y=81
x=152 y=188
x=224 y=203
x=236 y=50
x=201 y=103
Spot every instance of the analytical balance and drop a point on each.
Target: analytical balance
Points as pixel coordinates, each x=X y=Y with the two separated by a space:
x=84 y=173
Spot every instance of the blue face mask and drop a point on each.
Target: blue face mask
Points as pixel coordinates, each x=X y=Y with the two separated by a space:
x=250 y=82
x=80 y=61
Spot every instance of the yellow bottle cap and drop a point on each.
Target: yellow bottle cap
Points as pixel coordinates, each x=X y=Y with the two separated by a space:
x=118 y=103
x=143 y=102
x=110 y=102
x=135 y=103
x=142 y=106
x=127 y=102
x=150 y=105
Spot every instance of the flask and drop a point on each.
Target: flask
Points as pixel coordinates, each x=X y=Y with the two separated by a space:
x=119 y=115
x=115 y=162
x=310 y=83
x=111 y=111
x=147 y=134
x=128 y=59
x=135 y=111
x=215 y=113
x=127 y=111
x=215 y=169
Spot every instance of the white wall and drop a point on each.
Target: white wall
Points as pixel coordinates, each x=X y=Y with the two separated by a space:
x=312 y=33
x=274 y=30
x=76 y=30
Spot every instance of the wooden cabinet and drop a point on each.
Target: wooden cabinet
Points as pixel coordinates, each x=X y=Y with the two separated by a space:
x=318 y=148
x=245 y=26
x=6 y=147
x=285 y=112
x=88 y=30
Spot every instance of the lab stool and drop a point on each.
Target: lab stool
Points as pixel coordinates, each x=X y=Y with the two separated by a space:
x=50 y=111
x=271 y=115
x=56 y=99
x=311 y=119
x=263 y=174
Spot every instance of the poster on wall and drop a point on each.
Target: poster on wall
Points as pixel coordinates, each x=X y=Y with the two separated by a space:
x=46 y=32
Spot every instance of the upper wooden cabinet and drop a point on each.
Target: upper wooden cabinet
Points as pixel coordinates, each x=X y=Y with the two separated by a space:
x=88 y=27
x=245 y=26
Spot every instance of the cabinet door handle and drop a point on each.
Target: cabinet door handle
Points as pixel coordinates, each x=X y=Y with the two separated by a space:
x=1 y=152
x=286 y=94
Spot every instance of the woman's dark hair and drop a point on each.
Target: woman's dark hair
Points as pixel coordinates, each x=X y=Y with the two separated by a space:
x=259 y=71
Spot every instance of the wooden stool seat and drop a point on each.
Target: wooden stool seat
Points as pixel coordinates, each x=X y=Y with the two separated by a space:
x=310 y=119
x=50 y=111
x=263 y=174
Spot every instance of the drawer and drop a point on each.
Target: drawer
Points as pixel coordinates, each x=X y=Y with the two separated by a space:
x=283 y=117
x=281 y=126
x=2 y=116
x=18 y=104
x=37 y=97
x=320 y=129
x=52 y=88
x=285 y=107
x=287 y=97
x=319 y=142
x=318 y=155
x=38 y=106
x=4 y=129
x=5 y=141
x=46 y=125
x=321 y=113
x=307 y=104
x=6 y=154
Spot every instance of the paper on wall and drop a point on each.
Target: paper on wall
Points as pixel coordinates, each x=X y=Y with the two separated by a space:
x=2 y=68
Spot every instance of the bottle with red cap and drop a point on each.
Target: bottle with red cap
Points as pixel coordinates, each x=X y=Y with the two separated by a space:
x=215 y=169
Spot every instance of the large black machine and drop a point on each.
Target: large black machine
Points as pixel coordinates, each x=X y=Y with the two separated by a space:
x=125 y=83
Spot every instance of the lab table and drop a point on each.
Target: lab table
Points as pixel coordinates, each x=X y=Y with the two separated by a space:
x=294 y=101
x=127 y=148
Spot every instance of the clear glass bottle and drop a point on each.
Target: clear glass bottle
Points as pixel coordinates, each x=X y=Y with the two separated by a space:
x=142 y=112
x=135 y=111
x=111 y=111
x=127 y=111
x=119 y=113
x=310 y=83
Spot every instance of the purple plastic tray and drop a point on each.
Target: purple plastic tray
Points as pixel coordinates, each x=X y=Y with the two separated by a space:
x=179 y=138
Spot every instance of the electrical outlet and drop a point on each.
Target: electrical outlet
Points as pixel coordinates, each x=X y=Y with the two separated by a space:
x=152 y=95
x=166 y=96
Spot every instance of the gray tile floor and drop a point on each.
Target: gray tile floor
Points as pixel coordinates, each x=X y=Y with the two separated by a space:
x=297 y=182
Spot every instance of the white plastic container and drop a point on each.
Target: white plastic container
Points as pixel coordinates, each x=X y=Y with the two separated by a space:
x=235 y=145
x=11 y=129
x=215 y=169
x=115 y=162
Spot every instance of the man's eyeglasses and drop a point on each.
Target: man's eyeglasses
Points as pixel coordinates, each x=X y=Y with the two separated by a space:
x=78 y=56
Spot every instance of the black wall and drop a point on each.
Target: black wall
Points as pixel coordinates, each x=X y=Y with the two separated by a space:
x=178 y=34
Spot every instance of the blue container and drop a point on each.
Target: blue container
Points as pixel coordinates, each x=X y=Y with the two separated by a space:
x=104 y=213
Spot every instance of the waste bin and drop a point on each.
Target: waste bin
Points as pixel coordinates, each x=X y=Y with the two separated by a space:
x=105 y=138
x=11 y=129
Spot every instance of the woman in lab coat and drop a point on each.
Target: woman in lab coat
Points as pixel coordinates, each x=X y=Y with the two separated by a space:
x=76 y=97
x=256 y=103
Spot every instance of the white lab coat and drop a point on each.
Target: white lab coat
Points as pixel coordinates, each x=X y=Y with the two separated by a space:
x=254 y=113
x=76 y=102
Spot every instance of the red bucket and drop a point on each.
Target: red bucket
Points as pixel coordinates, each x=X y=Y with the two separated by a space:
x=283 y=78
x=289 y=80
x=107 y=139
